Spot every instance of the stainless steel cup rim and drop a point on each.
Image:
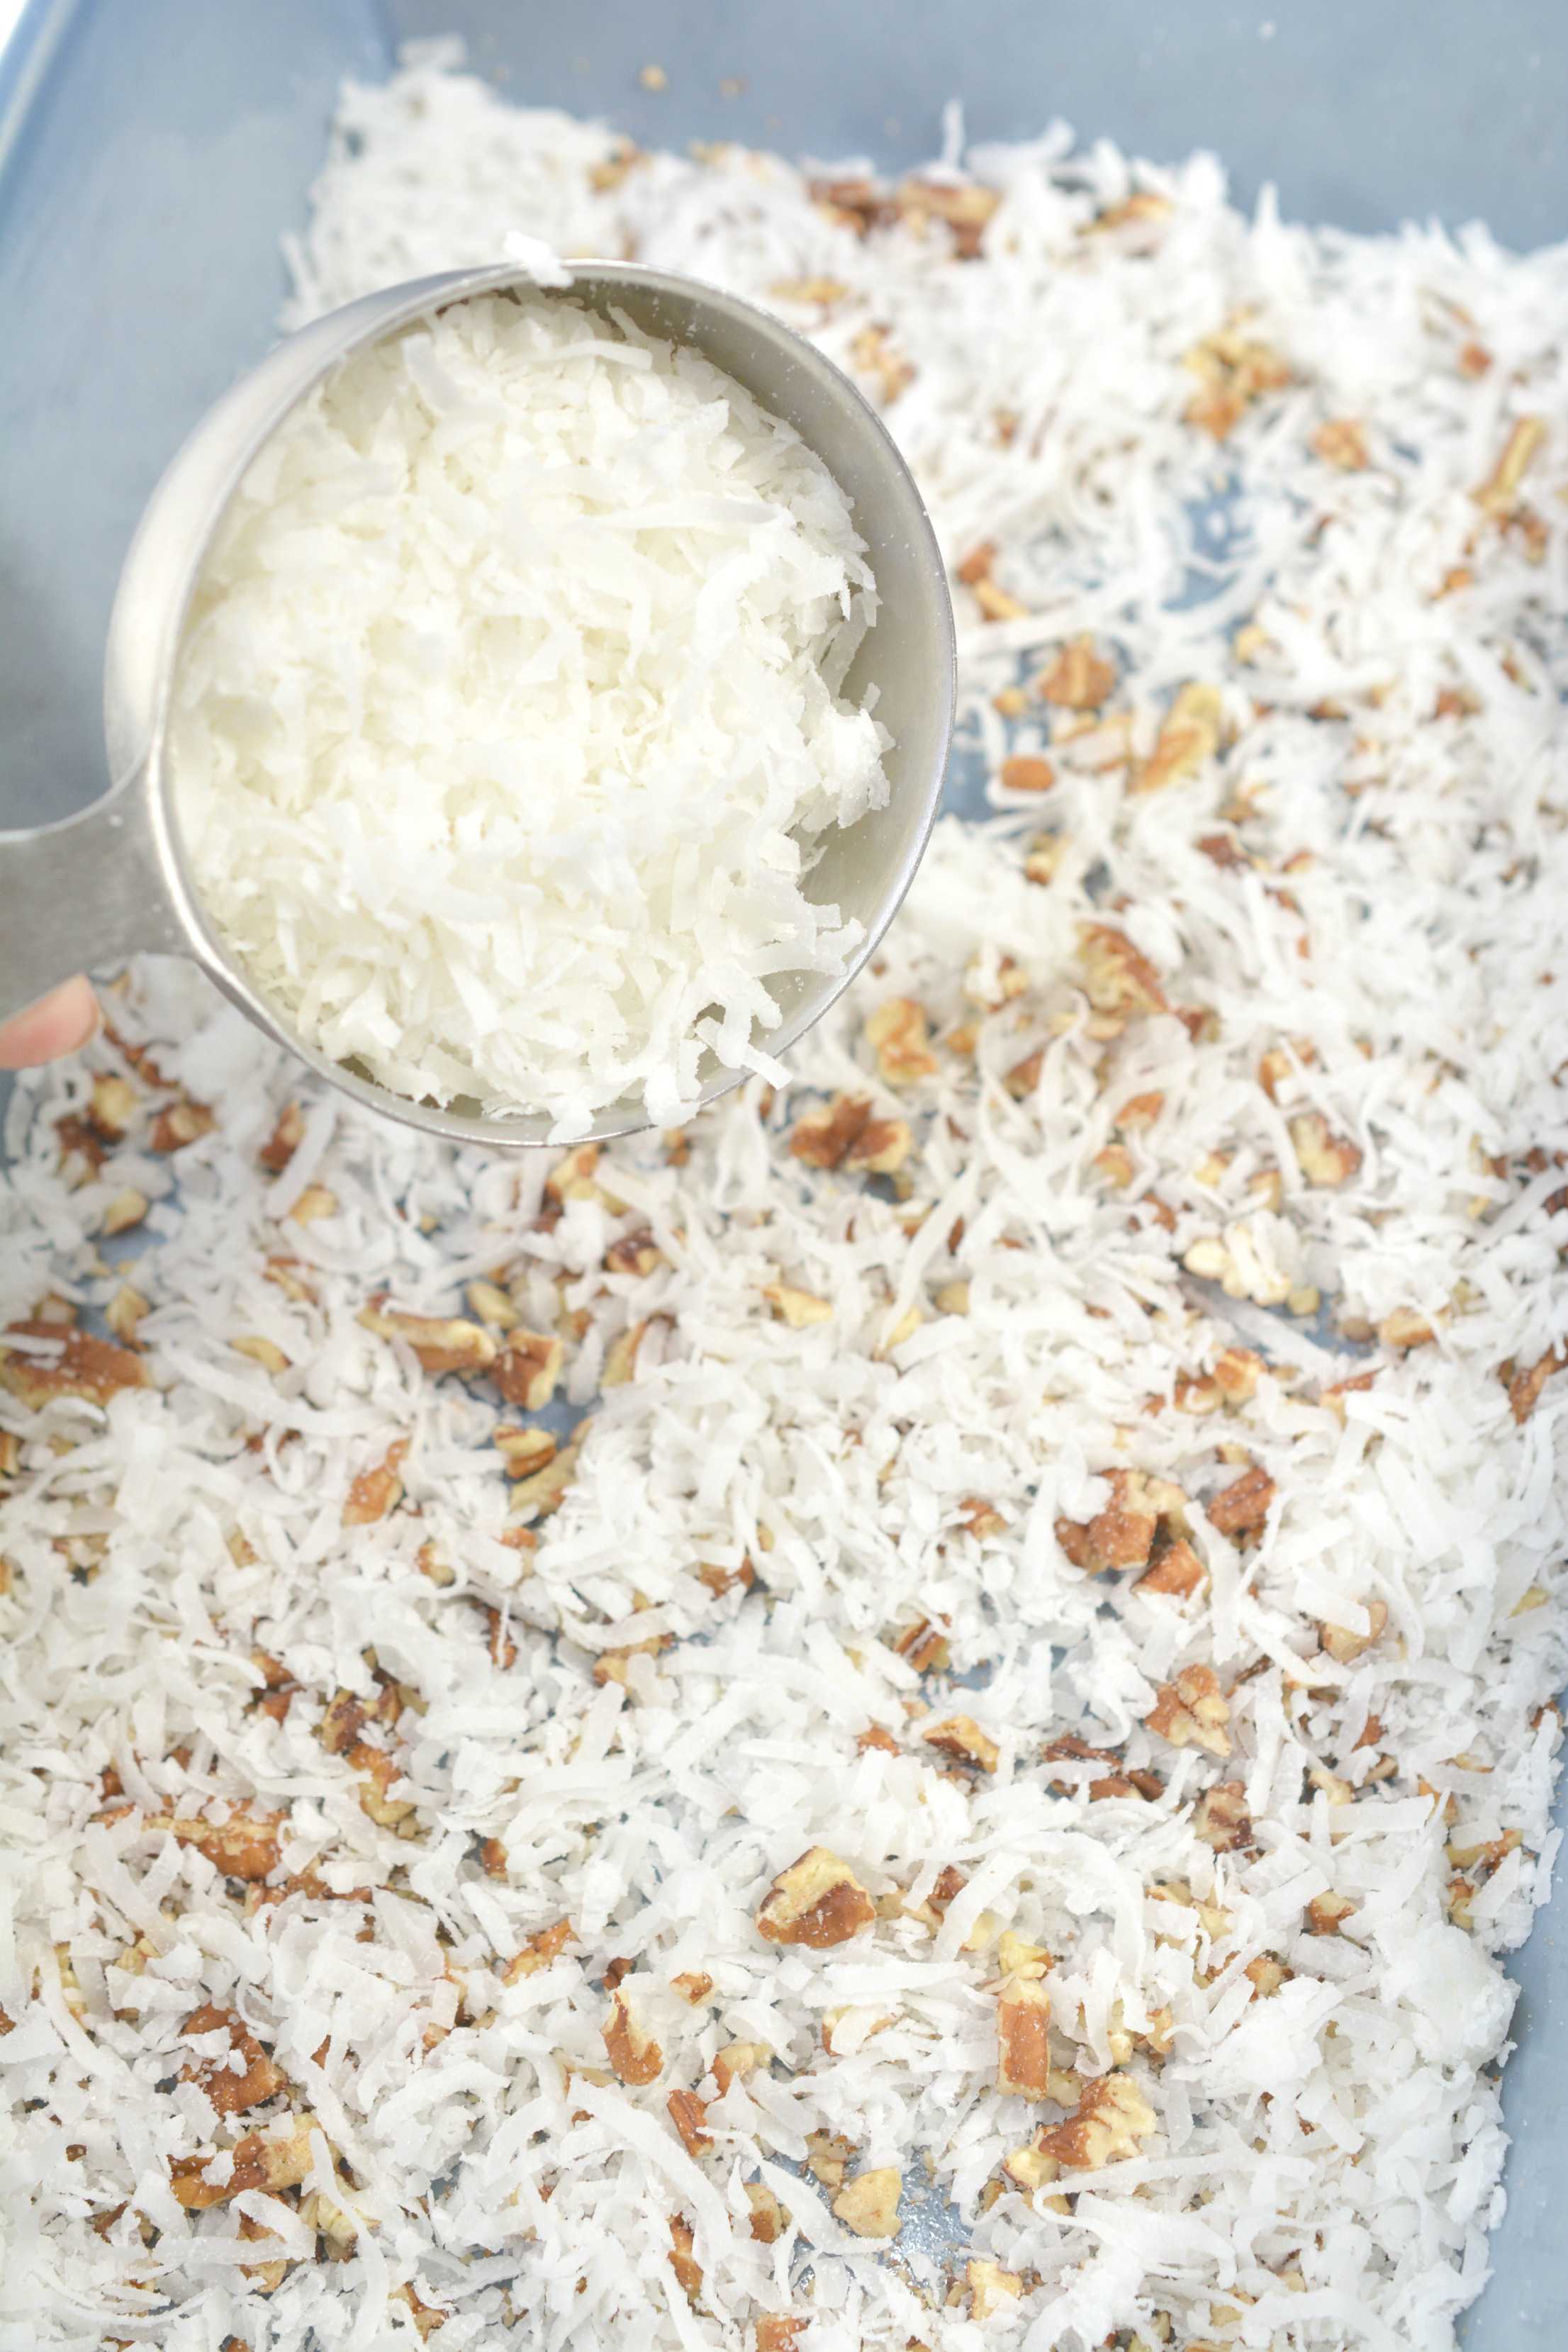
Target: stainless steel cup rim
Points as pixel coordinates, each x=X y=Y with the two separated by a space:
x=113 y=880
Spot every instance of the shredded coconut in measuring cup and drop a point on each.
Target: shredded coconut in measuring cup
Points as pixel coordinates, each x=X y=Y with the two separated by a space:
x=508 y=718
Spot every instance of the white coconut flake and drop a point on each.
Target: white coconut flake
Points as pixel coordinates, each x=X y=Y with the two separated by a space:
x=508 y=721
x=310 y=1716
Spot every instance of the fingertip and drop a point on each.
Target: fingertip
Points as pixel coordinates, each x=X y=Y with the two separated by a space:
x=61 y=1022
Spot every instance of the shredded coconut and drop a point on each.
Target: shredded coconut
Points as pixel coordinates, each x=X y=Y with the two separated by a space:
x=507 y=723
x=1022 y=1711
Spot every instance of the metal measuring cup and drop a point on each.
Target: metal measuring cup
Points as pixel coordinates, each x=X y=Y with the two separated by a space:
x=112 y=880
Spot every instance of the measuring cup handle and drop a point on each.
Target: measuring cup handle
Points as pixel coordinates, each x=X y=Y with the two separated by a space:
x=83 y=893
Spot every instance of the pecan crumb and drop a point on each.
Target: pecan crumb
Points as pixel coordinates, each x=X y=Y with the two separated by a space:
x=1344 y=1646
x=868 y=2205
x=1110 y=2118
x=899 y=1035
x=633 y=2053
x=817 y=1901
x=1023 y=2038
x=1243 y=1508
x=1193 y=1711
x=960 y=1739
x=1079 y=678
x=991 y=2289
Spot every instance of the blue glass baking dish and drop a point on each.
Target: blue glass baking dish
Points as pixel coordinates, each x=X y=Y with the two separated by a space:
x=152 y=151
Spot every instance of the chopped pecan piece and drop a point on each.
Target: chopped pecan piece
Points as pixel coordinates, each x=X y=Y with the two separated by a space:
x=1499 y=493
x=636 y=1253
x=1189 y=737
x=964 y=208
x=77 y=1365
x=1079 y=678
x=1280 y=1066
x=285 y=1139
x=693 y=1986
x=687 y=2112
x=980 y=1518
x=231 y=2087
x=1524 y=1386
x=996 y=604
x=1139 y=1111
x=874 y=1735
x=817 y=1901
x=768 y=2225
x=991 y=2289
x=1123 y=1534
x=1404 y=1330
x=1029 y=2168
x=899 y=1035
x=821 y=1137
x=720 y=1580
x=1326 y=1913
x=540 y=1952
x=1023 y=2038
x=1340 y=441
x=524 y=1451
x=682 y=2261
x=633 y=2053
x=925 y=1645
x=124 y=1312
x=377 y=1772
x=1025 y=1076
x=1117 y=979
x=777 y=2331
x=112 y=1105
x=527 y=1369
x=442 y=1343
x=1326 y=1159
x=827 y=2155
x=572 y=1176
x=621 y=1357
x=960 y=1739
x=1238 y=1371
x=124 y=1210
x=1023 y=773
x=540 y=1491
x=1018 y=1958
x=1221 y=1819
x=825 y=291
x=376 y=1492
x=268 y=2160
x=245 y=1847
x=1344 y=1646
x=314 y=1203
x=845 y=1134
x=868 y=2205
x=1042 y=860
x=427 y=2316
x=737 y=2059
x=1243 y=1508
x=1175 y=1569
x=1235 y=370
x=491 y=1305
x=183 y=1122
x=1266 y=1974
x=1193 y=1711
x=796 y=1307
x=872 y=351
x=1111 y=2116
